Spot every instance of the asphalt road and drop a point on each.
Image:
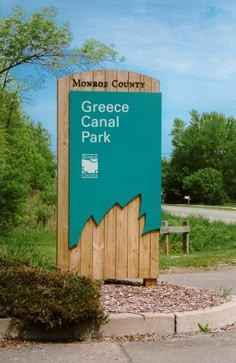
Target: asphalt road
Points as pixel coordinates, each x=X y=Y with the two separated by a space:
x=212 y=214
x=215 y=280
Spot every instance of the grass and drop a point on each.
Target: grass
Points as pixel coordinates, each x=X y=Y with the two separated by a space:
x=38 y=246
x=211 y=243
x=202 y=259
x=223 y=291
x=226 y=206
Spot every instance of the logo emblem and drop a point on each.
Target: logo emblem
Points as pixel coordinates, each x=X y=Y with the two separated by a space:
x=89 y=166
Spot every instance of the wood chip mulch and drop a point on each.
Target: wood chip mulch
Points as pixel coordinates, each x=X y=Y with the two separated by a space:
x=164 y=298
x=133 y=297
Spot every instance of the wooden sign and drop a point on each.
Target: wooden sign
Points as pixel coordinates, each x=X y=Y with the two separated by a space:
x=109 y=194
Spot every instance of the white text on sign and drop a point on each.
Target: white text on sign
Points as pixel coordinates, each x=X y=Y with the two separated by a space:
x=88 y=120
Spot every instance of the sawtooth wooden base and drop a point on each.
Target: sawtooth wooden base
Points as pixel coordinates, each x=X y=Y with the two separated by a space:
x=116 y=248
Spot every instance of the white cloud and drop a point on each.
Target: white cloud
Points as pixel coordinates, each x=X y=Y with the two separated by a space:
x=188 y=44
x=189 y=39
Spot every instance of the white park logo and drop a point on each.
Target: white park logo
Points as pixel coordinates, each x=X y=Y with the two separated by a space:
x=89 y=166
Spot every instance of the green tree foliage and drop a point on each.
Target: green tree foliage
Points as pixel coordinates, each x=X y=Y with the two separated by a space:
x=27 y=165
x=209 y=141
x=40 y=42
x=165 y=164
x=205 y=186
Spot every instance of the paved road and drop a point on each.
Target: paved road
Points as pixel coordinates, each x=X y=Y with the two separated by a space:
x=227 y=216
x=216 y=348
x=216 y=280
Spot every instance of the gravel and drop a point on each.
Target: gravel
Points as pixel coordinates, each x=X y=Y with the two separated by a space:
x=127 y=297
x=164 y=298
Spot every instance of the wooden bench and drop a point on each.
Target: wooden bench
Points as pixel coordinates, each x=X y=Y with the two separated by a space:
x=166 y=230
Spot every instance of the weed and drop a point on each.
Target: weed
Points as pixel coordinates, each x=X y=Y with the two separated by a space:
x=204 y=329
x=223 y=291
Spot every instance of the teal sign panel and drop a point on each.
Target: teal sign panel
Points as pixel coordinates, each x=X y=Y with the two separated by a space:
x=114 y=156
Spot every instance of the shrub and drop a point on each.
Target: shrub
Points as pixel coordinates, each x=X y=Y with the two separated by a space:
x=205 y=186
x=48 y=298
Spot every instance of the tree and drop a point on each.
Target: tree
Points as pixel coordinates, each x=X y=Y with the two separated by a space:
x=27 y=164
x=165 y=164
x=40 y=42
x=28 y=167
x=205 y=186
x=209 y=141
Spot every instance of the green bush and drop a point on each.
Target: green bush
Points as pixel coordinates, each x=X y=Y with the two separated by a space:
x=205 y=186
x=48 y=298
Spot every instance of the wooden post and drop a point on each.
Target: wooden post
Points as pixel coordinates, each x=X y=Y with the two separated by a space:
x=150 y=282
x=186 y=239
x=165 y=240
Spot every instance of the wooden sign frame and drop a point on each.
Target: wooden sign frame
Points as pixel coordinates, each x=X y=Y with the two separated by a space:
x=116 y=248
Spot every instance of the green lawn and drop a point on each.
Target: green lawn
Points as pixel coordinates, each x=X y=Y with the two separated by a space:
x=36 y=245
x=199 y=259
x=211 y=243
x=226 y=206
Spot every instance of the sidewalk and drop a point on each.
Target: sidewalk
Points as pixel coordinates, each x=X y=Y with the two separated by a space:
x=199 y=348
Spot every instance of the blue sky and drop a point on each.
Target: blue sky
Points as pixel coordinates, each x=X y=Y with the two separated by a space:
x=188 y=45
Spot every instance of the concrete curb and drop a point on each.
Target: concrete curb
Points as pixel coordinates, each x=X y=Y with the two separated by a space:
x=216 y=317
x=130 y=324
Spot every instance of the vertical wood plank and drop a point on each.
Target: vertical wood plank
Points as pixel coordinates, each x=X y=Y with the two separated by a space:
x=122 y=76
x=73 y=259
x=98 y=250
x=145 y=251
x=155 y=85
x=86 y=245
x=122 y=215
x=147 y=83
x=122 y=243
x=99 y=76
x=186 y=239
x=133 y=238
x=110 y=244
x=63 y=173
x=125 y=249
x=110 y=75
x=121 y=226
x=165 y=240
x=154 y=245
x=134 y=77
x=79 y=258
x=87 y=76
x=72 y=86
